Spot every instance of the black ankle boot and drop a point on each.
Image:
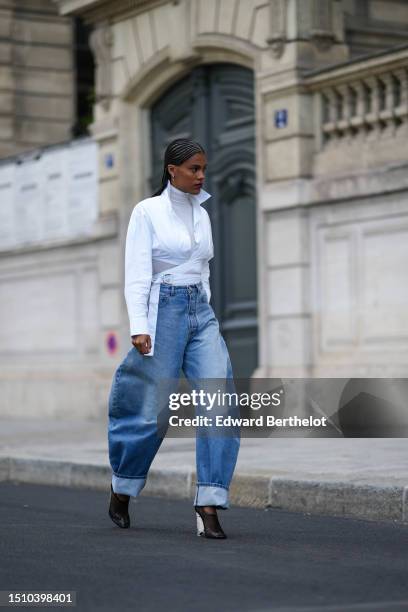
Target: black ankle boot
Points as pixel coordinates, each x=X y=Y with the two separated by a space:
x=208 y=524
x=118 y=510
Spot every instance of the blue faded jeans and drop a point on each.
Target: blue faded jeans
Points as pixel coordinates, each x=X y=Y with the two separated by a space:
x=188 y=338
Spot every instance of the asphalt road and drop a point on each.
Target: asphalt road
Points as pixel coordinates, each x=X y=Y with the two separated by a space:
x=54 y=538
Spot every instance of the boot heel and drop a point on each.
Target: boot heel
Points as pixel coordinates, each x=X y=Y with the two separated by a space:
x=200 y=525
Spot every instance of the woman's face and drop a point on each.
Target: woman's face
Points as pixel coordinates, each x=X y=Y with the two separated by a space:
x=189 y=176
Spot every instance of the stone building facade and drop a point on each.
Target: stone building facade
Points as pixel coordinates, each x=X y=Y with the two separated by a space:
x=37 y=80
x=316 y=155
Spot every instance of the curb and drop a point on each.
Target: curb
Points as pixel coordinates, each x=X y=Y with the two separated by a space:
x=341 y=499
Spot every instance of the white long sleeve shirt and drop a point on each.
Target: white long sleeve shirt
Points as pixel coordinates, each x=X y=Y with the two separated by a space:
x=157 y=237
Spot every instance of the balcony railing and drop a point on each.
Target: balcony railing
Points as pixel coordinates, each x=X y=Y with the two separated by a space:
x=362 y=101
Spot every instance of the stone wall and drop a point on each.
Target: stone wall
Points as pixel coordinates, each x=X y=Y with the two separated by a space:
x=37 y=85
x=374 y=25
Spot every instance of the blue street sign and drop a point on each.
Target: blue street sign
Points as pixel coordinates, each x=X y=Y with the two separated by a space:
x=109 y=160
x=281 y=118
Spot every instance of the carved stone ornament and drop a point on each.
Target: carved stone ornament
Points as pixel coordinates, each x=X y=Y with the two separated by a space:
x=277 y=46
x=101 y=41
x=322 y=41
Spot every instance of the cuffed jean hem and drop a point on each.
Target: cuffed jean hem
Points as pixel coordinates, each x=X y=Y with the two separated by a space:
x=211 y=495
x=127 y=486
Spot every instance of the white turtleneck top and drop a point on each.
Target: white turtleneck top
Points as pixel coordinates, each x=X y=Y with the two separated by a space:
x=183 y=207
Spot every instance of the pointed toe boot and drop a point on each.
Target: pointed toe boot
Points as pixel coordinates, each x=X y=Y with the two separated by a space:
x=208 y=524
x=118 y=510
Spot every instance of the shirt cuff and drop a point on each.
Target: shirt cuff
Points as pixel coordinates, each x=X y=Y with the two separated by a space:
x=139 y=325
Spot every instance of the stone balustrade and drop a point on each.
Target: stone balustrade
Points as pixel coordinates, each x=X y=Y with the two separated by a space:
x=357 y=105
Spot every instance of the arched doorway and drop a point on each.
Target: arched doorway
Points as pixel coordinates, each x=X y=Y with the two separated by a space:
x=215 y=105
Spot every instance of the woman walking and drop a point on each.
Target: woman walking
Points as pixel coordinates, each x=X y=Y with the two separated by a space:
x=173 y=328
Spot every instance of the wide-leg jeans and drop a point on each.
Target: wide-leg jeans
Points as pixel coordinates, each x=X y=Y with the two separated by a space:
x=188 y=338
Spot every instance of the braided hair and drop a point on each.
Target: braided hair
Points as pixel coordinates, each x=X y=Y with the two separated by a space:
x=176 y=153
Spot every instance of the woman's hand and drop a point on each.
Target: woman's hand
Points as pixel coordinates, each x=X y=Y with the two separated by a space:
x=143 y=343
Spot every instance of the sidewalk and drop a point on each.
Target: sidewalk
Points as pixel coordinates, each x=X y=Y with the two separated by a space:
x=363 y=478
